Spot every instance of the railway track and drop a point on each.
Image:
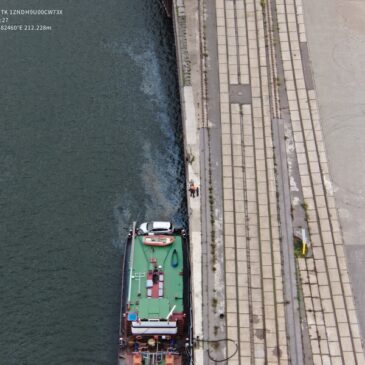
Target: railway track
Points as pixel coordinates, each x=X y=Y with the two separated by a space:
x=252 y=213
x=213 y=268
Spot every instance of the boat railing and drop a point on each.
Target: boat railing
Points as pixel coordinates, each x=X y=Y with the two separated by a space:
x=131 y=262
x=157 y=355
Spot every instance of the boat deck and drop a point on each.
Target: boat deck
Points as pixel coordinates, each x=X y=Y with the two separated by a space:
x=157 y=278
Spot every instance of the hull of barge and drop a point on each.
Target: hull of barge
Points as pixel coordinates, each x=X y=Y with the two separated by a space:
x=155 y=319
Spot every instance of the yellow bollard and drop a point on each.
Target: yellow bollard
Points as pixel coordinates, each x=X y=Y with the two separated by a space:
x=304 y=248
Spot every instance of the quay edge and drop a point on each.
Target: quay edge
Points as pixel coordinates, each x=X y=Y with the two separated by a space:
x=192 y=157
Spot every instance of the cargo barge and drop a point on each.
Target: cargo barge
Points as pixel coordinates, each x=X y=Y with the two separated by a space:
x=155 y=300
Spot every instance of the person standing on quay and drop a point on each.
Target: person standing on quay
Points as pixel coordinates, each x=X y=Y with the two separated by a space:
x=192 y=190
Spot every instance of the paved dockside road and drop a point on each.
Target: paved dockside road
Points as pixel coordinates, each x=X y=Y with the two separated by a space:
x=244 y=68
x=254 y=282
x=328 y=299
x=340 y=81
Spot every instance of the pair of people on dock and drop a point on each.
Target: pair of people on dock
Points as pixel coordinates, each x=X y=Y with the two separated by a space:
x=193 y=189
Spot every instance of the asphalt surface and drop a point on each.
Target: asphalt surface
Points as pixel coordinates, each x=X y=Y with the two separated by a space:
x=336 y=41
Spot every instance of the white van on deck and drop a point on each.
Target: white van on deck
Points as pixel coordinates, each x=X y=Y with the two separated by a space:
x=152 y=228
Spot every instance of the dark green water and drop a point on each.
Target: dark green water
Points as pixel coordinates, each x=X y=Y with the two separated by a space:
x=90 y=140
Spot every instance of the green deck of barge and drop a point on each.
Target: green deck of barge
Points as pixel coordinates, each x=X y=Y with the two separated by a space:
x=157 y=308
